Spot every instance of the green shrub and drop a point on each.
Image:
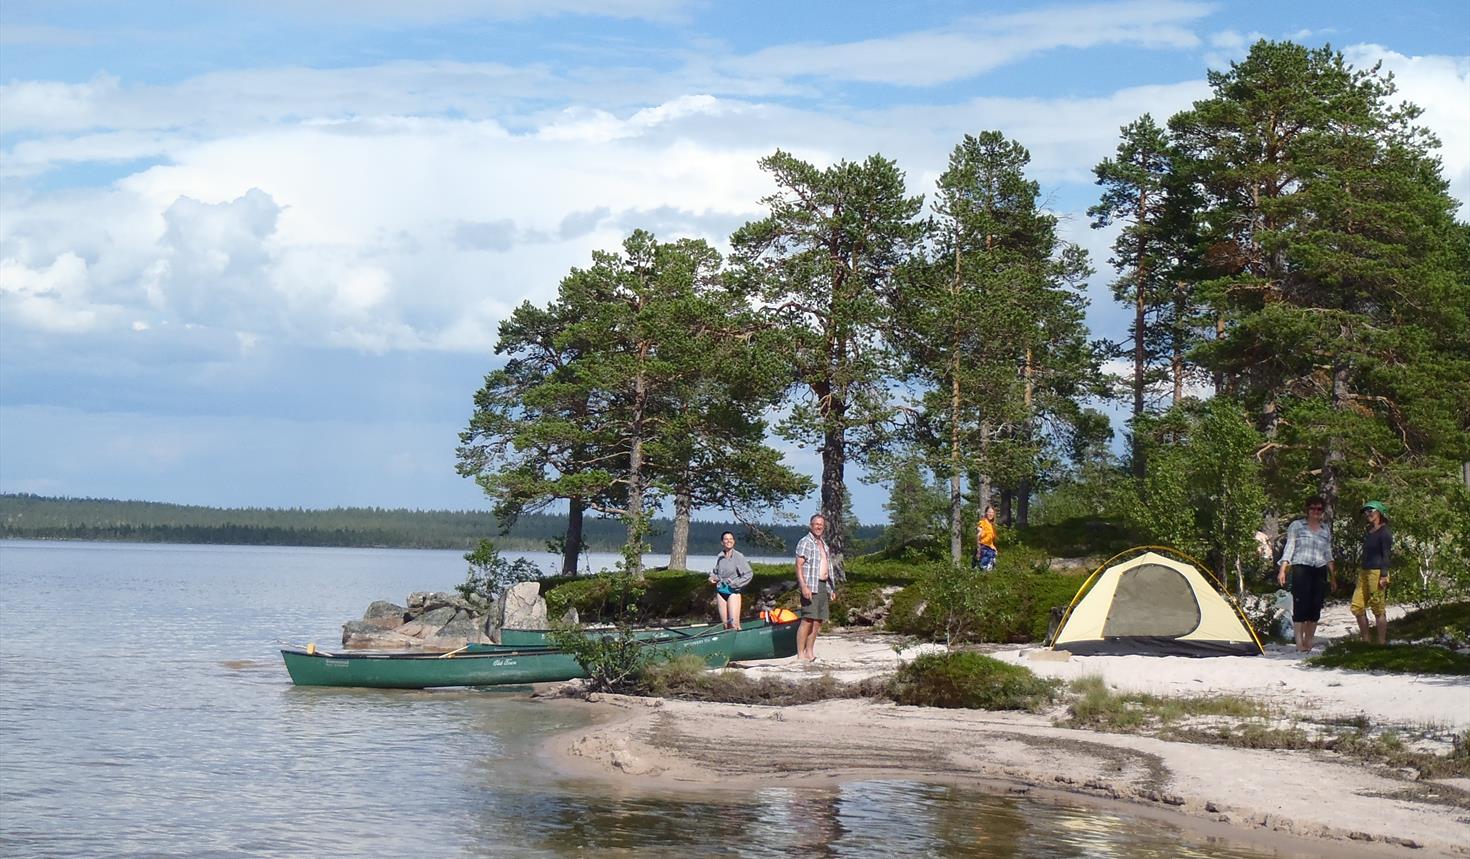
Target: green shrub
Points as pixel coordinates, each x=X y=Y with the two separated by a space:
x=881 y=571
x=856 y=597
x=958 y=604
x=969 y=681
x=1084 y=535
x=491 y=573
x=614 y=662
x=603 y=597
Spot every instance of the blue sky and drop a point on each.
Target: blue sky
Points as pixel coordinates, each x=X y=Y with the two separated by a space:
x=254 y=253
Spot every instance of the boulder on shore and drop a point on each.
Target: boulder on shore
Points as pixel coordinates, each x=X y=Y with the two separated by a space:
x=384 y=614
x=523 y=607
x=434 y=621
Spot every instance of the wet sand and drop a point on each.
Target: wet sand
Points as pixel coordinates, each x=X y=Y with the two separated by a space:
x=1302 y=802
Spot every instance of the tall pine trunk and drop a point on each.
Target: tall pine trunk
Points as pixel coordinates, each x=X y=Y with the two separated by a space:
x=1220 y=380
x=956 y=496
x=1023 y=491
x=1331 y=484
x=1176 y=343
x=984 y=491
x=834 y=462
x=679 y=552
x=1140 y=354
x=573 y=548
x=636 y=525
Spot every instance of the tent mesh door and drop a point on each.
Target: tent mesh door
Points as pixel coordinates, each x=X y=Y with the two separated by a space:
x=1152 y=600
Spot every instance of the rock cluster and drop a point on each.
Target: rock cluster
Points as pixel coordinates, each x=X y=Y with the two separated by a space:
x=444 y=621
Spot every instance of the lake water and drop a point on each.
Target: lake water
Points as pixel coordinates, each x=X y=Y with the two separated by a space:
x=144 y=711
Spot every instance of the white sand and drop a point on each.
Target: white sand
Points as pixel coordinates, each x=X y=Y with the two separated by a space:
x=650 y=743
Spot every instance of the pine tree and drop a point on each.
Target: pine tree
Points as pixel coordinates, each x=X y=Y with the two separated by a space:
x=993 y=328
x=526 y=443
x=1330 y=234
x=621 y=392
x=824 y=260
x=1135 y=193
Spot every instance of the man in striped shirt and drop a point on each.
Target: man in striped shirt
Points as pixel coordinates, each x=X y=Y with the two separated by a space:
x=1308 y=555
x=816 y=578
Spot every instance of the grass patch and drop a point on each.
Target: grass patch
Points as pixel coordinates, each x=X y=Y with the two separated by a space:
x=1450 y=620
x=1384 y=749
x=969 y=681
x=1393 y=658
x=1096 y=706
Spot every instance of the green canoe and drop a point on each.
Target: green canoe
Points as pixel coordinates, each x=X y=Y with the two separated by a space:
x=756 y=639
x=541 y=637
x=488 y=668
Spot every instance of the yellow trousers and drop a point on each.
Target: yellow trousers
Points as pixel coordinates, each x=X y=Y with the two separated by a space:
x=1367 y=595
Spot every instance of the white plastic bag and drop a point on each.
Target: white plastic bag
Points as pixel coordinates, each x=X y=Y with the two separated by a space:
x=1283 y=613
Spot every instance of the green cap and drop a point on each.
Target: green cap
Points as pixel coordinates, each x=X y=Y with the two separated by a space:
x=1377 y=505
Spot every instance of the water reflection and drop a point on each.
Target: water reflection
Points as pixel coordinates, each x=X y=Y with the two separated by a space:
x=859 y=819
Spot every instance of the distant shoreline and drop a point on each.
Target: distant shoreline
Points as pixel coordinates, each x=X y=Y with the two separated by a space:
x=35 y=517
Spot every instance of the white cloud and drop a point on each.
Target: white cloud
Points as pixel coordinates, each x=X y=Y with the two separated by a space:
x=385 y=230
x=49 y=299
x=979 y=44
x=213 y=260
x=50 y=105
x=382 y=12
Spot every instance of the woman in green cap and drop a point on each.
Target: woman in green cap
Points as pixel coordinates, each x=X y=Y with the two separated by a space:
x=1373 y=572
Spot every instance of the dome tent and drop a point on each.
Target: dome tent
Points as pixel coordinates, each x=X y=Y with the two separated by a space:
x=1154 y=605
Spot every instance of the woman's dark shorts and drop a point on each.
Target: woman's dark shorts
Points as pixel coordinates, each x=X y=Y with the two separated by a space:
x=1308 y=593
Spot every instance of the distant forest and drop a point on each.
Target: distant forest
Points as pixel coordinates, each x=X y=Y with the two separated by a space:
x=34 y=517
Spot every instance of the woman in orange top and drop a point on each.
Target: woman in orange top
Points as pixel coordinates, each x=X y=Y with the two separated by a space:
x=985 y=540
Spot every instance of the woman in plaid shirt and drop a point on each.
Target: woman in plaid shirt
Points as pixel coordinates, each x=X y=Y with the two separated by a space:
x=1308 y=554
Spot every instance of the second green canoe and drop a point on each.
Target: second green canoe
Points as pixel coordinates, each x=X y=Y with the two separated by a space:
x=756 y=639
x=497 y=666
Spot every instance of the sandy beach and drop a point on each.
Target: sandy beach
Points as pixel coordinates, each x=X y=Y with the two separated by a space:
x=1309 y=802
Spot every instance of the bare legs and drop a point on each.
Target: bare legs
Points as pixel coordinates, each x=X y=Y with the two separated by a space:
x=729 y=610
x=1367 y=631
x=806 y=639
x=1306 y=631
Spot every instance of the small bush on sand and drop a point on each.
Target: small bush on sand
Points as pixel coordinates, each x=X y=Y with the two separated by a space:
x=686 y=678
x=614 y=661
x=971 y=681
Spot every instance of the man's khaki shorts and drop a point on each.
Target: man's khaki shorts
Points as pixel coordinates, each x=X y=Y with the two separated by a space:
x=818 y=607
